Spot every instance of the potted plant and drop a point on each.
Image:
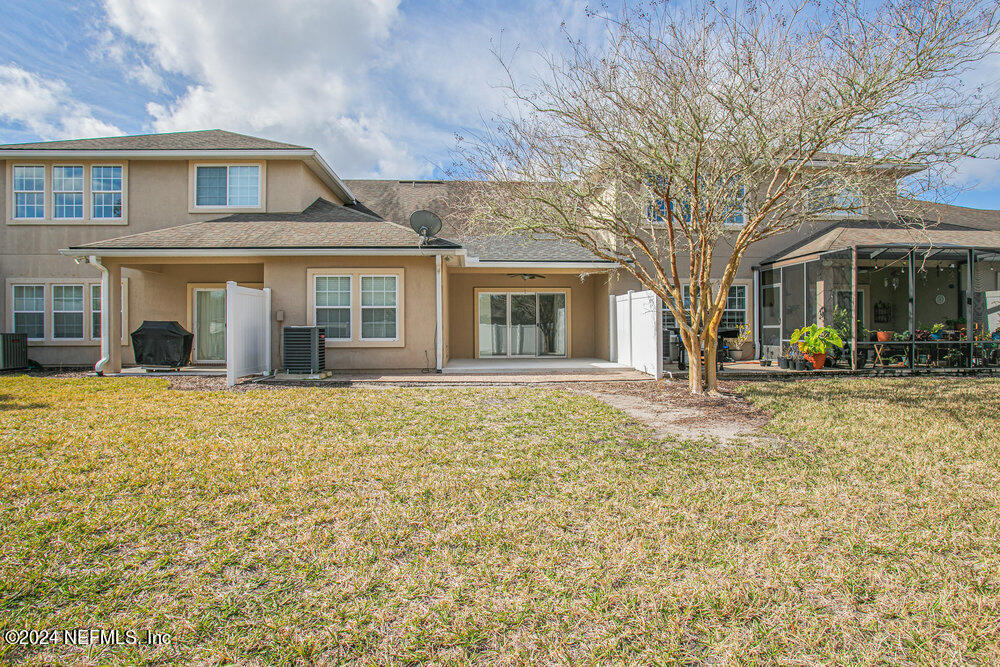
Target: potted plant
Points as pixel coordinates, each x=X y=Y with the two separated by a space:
x=815 y=341
x=738 y=346
x=935 y=331
x=954 y=358
x=957 y=325
x=883 y=336
x=784 y=360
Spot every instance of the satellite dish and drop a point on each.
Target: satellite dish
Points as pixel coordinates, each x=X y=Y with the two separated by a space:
x=425 y=223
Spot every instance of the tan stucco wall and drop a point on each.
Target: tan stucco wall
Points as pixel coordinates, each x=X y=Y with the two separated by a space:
x=157 y=196
x=287 y=278
x=463 y=310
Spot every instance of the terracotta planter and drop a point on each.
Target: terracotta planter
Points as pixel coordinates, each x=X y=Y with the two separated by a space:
x=883 y=336
x=818 y=360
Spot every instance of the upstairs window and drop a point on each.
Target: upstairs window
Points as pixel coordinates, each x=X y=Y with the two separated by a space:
x=29 y=193
x=830 y=198
x=67 y=192
x=235 y=186
x=106 y=192
x=732 y=213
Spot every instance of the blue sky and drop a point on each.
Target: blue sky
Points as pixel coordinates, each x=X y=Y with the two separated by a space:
x=379 y=87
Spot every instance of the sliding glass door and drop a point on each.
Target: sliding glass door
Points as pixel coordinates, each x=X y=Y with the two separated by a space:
x=522 y=324
x=493 y=325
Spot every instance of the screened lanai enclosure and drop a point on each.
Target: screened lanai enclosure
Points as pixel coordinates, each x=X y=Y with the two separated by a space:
x=895 y=305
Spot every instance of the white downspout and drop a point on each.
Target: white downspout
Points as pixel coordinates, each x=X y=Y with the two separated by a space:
x=105 y=315
x=439 y=329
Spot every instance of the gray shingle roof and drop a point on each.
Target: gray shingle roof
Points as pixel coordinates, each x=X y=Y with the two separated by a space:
x=396 y=200
x=269 y=234
x=844 y=235
x=199 y=140
x=523 y=249
x=320 y=210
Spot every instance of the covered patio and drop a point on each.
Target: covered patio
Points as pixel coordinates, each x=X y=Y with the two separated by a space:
x=918 y=300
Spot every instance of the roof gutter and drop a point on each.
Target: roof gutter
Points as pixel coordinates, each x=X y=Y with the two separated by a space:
x=473 y=261
x=338 y=184
x=254 y=252
x=105 y=359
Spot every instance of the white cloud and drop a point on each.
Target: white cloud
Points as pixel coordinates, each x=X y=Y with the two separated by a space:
x=46 y=107
x=378 y=91
x=294 y=72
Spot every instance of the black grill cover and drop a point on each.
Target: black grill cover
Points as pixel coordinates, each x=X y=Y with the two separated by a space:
x=161 y=343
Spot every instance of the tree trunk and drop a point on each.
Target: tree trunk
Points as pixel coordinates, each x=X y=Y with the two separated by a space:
x=695 y=384
x=693 y=349
x=711 y=363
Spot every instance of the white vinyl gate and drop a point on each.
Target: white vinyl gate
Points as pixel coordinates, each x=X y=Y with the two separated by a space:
x=637 y=332
x=248 y=332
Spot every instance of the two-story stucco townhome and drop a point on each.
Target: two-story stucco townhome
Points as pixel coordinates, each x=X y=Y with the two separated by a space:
x=166 y=220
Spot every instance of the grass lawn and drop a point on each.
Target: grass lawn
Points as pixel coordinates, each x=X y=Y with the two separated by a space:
x=500 y=525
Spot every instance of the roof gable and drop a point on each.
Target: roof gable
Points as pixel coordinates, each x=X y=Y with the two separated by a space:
x=197 y=140
x=321 y=210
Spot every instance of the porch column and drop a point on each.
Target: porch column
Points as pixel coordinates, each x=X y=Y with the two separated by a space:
x=439 y=314
x=111 y=315
x=854 y=308
x=758 y=350
x=911 y=265
x=969 y=292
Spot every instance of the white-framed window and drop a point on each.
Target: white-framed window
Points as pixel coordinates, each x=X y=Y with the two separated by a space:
x=106 y=192
x=67 y=312
x=379 y=311
x=29 y=192
x=67 y=192
x=734 y=210
x=734 y=315
x=95 y=311
x=834 y=198
x=29 y=310
x=333 y=305
x=236 y=186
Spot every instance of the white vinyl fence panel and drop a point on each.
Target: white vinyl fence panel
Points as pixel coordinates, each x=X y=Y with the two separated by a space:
x=248 y=332
x=638 y=332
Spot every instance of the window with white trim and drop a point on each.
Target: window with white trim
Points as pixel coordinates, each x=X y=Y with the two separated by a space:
x=734 y=315
x=733 y=211
x=67 y=312
x=333 y=306
x=95 y=311
x=379 y=307
x=833 y=197
x=67 y=192
x=106 y=192
x=227 y=185
x=29 y=310
x=29 y=192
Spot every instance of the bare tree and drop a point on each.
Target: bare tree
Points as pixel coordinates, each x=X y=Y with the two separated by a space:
x=687 y=129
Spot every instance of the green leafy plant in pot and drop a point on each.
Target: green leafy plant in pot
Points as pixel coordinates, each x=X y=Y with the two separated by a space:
x=815 y=341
